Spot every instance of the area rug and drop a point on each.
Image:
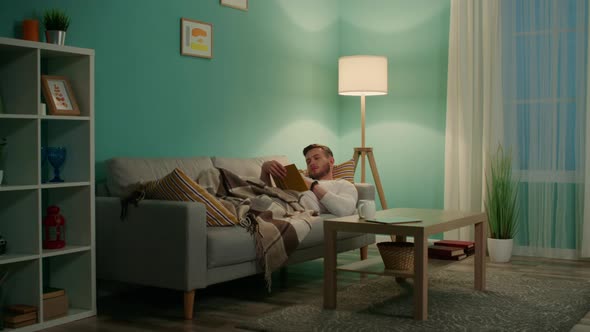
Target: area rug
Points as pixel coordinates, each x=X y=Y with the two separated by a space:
x=511 y=302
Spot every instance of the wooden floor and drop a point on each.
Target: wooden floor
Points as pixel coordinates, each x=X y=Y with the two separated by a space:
x=224 y=306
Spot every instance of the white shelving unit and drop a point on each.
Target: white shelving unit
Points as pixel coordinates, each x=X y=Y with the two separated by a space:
x=25 y=193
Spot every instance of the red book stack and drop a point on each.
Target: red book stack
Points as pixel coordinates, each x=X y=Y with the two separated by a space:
x=446 y=252
x=467 y=246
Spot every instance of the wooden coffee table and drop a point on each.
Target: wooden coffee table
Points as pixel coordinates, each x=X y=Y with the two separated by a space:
x=433 y=222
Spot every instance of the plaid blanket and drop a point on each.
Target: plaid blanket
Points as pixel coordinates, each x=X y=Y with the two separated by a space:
x=275 y=217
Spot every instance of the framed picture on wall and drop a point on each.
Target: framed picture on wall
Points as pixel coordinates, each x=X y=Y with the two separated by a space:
x=238 y=4
x=59 y=96
x=196 y=38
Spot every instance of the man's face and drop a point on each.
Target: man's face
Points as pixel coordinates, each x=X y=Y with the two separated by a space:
x=319 y=163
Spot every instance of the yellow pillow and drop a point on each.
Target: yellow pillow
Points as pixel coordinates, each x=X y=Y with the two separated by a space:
x=177 y=186
x=344 y=171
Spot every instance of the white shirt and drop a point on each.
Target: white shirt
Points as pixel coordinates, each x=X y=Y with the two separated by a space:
x=340 y=198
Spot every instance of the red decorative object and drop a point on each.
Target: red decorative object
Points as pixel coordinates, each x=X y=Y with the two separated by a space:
x=31 y=30
x=54 y=232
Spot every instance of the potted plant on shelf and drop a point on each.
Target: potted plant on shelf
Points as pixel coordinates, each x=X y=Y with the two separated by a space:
x=2 y=144
x=56 y=24
x=501 y=206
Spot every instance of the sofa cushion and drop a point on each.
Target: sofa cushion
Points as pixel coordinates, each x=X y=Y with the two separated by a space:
x=316 y=236
x=229 y=245
x=344 y=171
x=234 y=245
x=123 y=172
x=177 y=186
x=246 y=167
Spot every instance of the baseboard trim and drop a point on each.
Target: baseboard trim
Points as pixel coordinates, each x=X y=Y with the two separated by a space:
x=546 y=252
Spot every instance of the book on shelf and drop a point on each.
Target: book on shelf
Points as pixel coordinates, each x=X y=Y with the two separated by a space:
x=445 y=251
x=452 y=258
x=20 y=324
x=456 y=243
x=21 y=308
x=393 y=220
x=292 y=181
x=51 y=292
x=470 y=251
x=14 y=318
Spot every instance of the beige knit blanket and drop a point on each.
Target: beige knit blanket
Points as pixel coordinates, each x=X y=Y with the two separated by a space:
x=275 y=217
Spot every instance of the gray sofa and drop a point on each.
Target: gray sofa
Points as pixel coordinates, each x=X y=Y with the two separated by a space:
x=167 y=243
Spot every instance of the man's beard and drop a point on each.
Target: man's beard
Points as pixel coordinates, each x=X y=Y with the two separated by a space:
x=321 y=172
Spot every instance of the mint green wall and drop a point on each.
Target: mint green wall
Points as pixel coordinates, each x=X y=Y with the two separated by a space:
x=271 y=87
x=406 y=128
x=268 y=90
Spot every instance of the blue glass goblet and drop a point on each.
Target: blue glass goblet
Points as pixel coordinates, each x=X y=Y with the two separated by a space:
x=43 y=161
x=56 y=157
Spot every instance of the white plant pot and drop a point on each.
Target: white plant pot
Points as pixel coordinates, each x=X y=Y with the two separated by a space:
x=500 y=250
x=1 y=175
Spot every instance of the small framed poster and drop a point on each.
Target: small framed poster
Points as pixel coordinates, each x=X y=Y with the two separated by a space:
x=196 y=38
x=59 y=96
x=238 y=4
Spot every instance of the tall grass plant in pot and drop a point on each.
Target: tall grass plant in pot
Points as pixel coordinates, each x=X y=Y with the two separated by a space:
x=501 y=206
x=56 y=23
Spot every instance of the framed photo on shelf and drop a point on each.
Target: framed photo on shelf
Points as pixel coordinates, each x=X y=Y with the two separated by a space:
x=59 y=96
x=238 y=4
x=196 y=38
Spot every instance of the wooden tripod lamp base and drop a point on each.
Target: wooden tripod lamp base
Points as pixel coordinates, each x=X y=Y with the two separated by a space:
x=368 y=153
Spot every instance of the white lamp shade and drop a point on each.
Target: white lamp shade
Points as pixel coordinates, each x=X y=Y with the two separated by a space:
x=362 y=75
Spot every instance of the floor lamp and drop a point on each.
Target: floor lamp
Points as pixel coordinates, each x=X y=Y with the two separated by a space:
x=364 y=75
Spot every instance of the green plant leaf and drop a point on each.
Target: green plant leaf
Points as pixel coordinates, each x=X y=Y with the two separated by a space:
x=501 y=203
x=56 y=19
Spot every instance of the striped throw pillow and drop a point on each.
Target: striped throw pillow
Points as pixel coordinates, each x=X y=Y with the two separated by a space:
x=344 y=171
x=177 y=186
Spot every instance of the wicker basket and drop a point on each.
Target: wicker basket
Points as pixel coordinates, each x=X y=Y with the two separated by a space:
x=397 y=255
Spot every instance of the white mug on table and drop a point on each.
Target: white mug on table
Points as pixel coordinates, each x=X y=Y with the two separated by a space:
x=366 y=209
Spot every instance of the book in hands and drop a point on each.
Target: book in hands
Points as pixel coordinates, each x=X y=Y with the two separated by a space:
x=393 y=220
x=292 y=181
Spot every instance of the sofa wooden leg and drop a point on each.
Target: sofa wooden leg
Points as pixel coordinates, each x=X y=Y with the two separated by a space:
x=189 y=303
x=364 y=252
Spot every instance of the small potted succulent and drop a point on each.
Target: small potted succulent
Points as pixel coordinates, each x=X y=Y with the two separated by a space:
x=56 y=24
x=2 y=145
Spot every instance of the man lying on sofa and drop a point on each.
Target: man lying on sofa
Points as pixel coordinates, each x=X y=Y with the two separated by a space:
x=325 y=194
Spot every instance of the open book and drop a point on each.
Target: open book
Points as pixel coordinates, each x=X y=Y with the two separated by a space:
x=293 y=180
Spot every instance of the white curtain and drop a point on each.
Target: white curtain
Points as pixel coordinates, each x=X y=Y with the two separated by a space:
x=518 y=75
x=585 y=229
x=474 y=103
x=545 y=54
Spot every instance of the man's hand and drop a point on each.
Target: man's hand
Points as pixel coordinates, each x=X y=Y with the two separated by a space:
x=308 y=181
x=318 y=190
x=274 y=168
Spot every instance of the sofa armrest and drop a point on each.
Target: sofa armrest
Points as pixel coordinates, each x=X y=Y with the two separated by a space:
x=161 y=243
x=365 y=191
